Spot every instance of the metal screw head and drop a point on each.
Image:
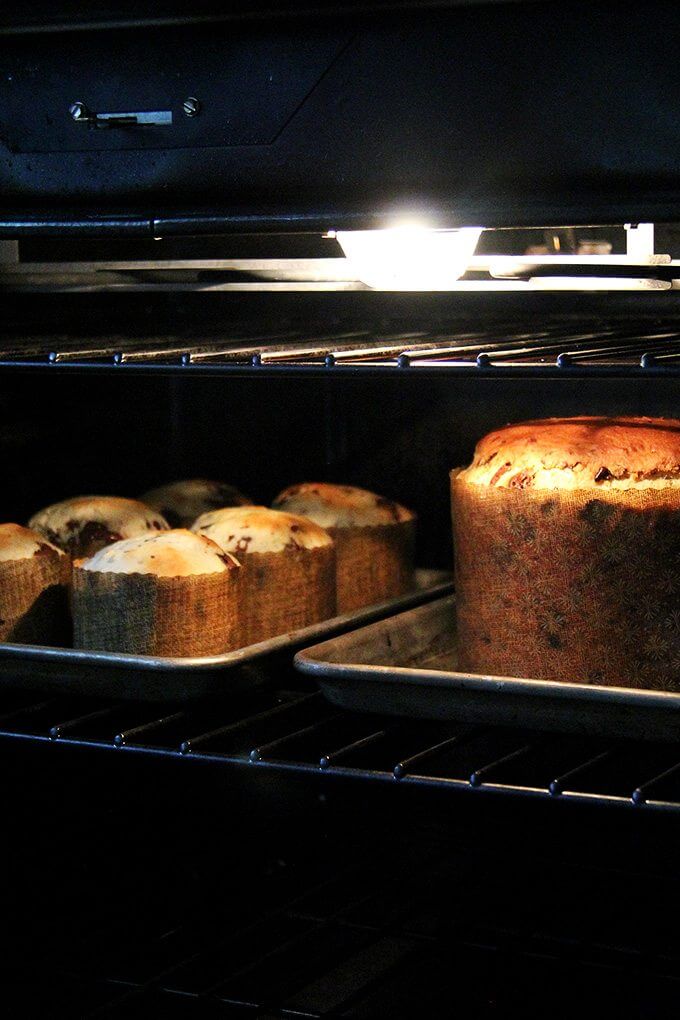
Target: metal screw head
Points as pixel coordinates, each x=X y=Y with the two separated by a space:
x=191 y=106
x=78 y=111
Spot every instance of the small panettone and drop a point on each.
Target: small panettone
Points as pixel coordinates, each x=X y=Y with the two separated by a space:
x=85 y=524
x=182 y=502
x=34 y=578
x=374 y=539
x=567 y=543
x=172 y=593
x=288 y=567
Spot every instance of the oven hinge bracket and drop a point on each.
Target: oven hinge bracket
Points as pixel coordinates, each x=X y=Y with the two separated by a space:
x=639 y=240
x=82 y=114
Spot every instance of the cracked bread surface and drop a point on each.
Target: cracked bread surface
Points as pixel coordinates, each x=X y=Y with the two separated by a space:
x=586 y=452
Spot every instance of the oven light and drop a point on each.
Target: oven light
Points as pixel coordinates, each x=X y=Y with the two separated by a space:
x=409 y=257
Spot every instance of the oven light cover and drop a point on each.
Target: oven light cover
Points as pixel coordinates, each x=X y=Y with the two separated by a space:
x=409 y=256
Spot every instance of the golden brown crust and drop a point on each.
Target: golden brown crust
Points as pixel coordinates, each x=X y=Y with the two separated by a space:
x=83 y=525
x=245 y=530
x=573 y=586
x=175 y=553
x=340 y=506
x=142 y=614
x=33 y=598
x=580 y=453
x=374 y=564
x=18 y=543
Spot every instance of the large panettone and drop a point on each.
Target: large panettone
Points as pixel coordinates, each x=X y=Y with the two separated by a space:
x=567 y=543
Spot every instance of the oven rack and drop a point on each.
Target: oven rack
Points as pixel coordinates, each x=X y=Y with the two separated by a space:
x=504 y=350
x=299 y=732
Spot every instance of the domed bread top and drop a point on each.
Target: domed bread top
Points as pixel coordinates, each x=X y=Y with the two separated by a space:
x=186 y=500
x=113 y=518
x=579 y=453
x=177 y=553
x=341 y=506
x=19 y=543
x=256 y=529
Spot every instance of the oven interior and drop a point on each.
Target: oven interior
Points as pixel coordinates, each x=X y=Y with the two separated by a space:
x=175 y=304
x=263 y=854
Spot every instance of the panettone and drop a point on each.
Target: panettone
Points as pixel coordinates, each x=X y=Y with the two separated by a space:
x=34 y=578
x=172 y=593
x=288 y=567
x=374 y=539
x=567 y=550
x=182 y=502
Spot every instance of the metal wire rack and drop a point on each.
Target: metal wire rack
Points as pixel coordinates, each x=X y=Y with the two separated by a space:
x=295 y=731
x=551 y=350
x=393 y=929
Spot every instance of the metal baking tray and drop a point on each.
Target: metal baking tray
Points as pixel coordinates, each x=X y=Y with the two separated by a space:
x=155 y=678
x=406 y=665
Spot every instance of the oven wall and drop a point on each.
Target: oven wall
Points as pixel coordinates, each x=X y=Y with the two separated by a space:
x=64 y=435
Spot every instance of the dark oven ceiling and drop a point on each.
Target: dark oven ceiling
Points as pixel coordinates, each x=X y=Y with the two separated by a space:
x=47 y=15
x=492 y=114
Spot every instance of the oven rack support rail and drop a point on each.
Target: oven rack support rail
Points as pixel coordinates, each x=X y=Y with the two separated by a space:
x=298 y=732
x=552 y=351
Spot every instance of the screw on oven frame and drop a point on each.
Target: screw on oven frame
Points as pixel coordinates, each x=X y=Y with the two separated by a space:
x=79 y=111
x=191 y=106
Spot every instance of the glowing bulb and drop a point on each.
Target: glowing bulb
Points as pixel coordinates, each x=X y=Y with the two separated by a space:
x=409 y=256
